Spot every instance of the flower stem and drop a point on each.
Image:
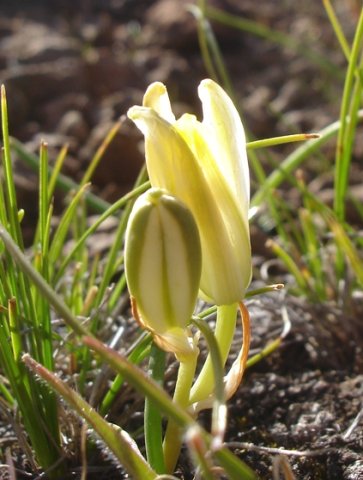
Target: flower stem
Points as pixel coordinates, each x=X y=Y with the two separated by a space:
x=173 y=439
x=224 y=332
x=152 y=417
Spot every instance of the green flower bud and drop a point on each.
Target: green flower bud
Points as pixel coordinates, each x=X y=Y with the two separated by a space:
x=163 y=267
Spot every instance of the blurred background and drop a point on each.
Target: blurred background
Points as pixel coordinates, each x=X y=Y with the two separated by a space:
x=73 y=68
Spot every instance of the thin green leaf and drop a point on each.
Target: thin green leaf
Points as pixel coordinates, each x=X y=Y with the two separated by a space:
x=345 y=137
x=274 y=36
x=271 y=142
x=100 y=152
x=293 y=161
x=44 y=288
x=152 y=416
x=63 y=182
x=60 y=233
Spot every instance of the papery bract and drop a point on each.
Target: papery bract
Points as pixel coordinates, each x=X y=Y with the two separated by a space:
x=205 y=165
x=163 y=267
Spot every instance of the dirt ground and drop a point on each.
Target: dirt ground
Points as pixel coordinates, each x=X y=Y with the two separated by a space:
x=71 y=69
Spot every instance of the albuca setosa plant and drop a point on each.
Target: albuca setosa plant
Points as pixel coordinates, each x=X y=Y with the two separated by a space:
x=203 y=165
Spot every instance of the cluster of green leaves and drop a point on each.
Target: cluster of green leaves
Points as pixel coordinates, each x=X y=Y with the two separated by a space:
x=318 y=238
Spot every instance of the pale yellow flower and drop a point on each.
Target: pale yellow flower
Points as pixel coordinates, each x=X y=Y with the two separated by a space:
x=204 y=164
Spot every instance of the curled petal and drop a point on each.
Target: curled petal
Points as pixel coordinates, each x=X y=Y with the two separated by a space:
x=157 y=98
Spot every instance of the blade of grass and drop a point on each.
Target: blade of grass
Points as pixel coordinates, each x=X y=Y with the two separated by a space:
x=271 y=142
x=203 y=44
x=273 y=36
x=117 y=292
x=139 y=351
x=107 y=213
x=55 y=171
x=337 y=28
x=63 y=182
x=290 y=264
x=14 y=327
x=210 y=48
x=10 y=194
x=346 y=245
x=152 y=416
x=294 y=160
x=43 y=205
x=313 y=257
x=345 y=137
x=44 y=288
x=60 y=233
x=100 y=152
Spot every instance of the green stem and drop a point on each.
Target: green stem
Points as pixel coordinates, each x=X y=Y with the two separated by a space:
x=342 y=160
x=337 y=28
x=272 y=142
x=224 y=332
x=273 y=36
x=219 y=402
x=139 y=351
x=294 y=160
x=152 y=417
x=173 y=439
x=46 y=291
x=198 y=12
x=62 y=182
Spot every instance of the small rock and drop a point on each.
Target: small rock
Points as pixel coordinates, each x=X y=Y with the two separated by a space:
x=170 y=25
x=73 y=124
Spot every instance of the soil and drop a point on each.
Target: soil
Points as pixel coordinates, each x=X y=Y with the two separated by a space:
x=71 y=69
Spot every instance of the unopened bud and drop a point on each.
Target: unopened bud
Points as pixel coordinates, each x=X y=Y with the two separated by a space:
x=163 y=267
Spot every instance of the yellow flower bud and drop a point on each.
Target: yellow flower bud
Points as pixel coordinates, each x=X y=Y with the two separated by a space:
x=204 y=164
x=163 y=267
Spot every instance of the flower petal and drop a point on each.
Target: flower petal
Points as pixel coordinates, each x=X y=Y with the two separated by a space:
x=226 y=139
x=157 y=98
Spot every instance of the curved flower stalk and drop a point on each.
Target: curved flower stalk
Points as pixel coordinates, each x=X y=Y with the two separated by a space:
x=204 y=164
x=163 y=267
